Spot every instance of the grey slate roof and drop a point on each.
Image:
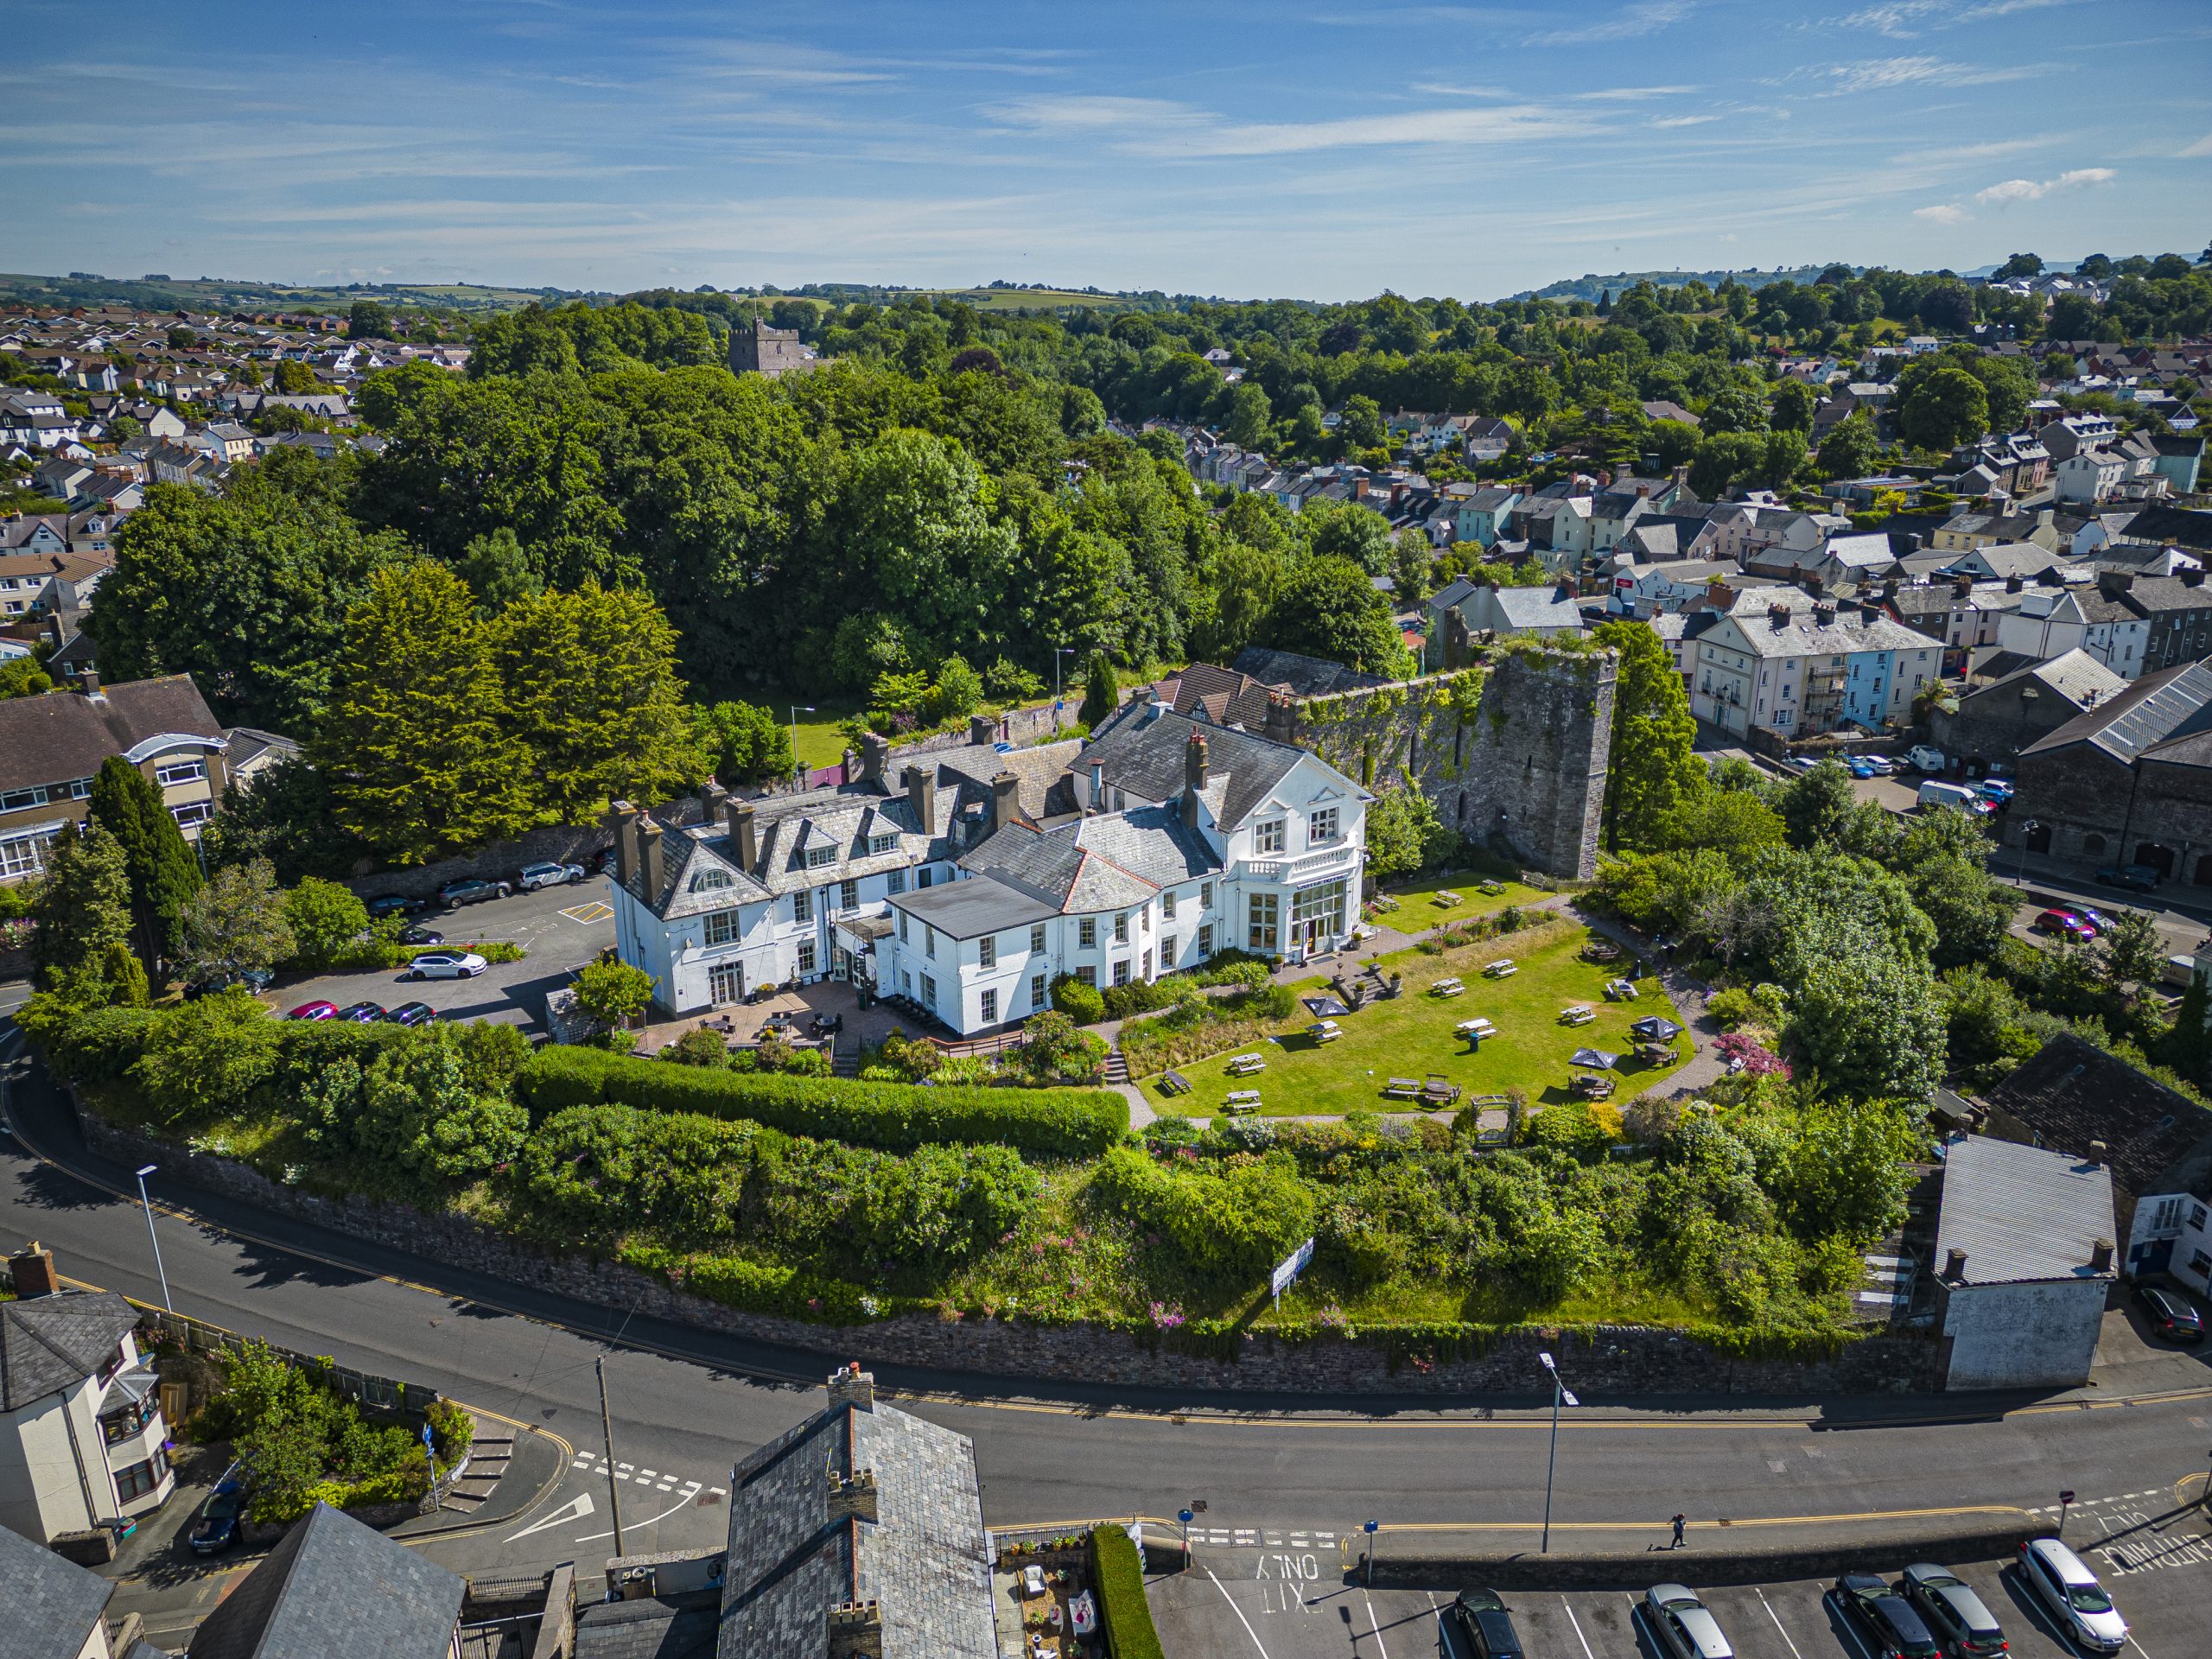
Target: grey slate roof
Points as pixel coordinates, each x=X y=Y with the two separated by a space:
x=63 y=735
x=2021 y=1213
x=2175 y=702
x=1140 y=753
x=52 y=1343
x=1305 y=677
x=2073 y=675
x=50 y=1604
x=333 y=1587
x=968 y=910
x=654 y=1628
x=2069 y=1093
x=2172 y=527
x=922 y=1560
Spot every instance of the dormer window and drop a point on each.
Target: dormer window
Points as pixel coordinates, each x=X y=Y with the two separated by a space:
x=878 y=845
x=707 y=880
x=818 y=856
x=1267 y=838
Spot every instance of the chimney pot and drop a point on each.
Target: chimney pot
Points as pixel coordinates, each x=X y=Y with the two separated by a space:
x=876 y=757
x=2100 y=1257
x=854 y=1499
x=851 y=1386
x=855 y=1631
x=88 y=680
x=622 y=816
x=31 y=1270
x=1955 y=1266
x=921 y=795
x=711 y=797
x=981 y=728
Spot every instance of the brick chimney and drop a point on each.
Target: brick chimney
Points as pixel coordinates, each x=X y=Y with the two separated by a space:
x=622 y=818
x=744 y=836
x=88 y=682
x=1194 y=774
x=855 y=1631
x=2100 y=1257
x=982 y=729
x=1282 y=718
x=854 y=1499
x=921 y=795
x=876 y=757
x=31 y=1268
x=1005 y=800
x=851 y=1386
x=1955 y=1266
x=652 y=861
x=711 y=797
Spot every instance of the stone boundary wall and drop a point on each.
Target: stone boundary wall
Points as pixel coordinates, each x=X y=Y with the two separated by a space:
x=1513 y=751
x=1612 y=1360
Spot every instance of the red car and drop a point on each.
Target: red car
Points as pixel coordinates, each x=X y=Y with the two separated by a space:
x=2064 y=921
x=314 y=1011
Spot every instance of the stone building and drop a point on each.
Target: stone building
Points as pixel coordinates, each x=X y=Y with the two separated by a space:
x=2128 y=781
x=759 y=349
x=1997 y=721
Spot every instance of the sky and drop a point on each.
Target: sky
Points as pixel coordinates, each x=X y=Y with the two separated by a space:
x=1322 y=150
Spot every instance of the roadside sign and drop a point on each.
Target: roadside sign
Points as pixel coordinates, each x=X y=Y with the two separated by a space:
x=1289 y=1267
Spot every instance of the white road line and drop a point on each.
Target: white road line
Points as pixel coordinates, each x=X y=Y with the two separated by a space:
x=1259 y=1646
x=1777 y=1618
x=1376 y=1625
x=1843 y=1619
x=2138 y=1646
x=1576 y=1623
x=663 y=1515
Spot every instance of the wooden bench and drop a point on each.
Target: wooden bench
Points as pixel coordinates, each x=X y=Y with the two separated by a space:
x=1445 y=899
x=1446 y=988
x=1242 y=1102
x=1440 y=1091
x=1477 y=1026
x=1174 y=1082
x=1621 y=990
x=1588 y=1087
x=1579 y=1015
x=1402 y=1089
x=1243 y=1066
x=1325 y=1031
x=1493 y=887
x=1504 y=968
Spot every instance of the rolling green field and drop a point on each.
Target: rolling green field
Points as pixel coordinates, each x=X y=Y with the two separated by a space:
x=1412 y=1036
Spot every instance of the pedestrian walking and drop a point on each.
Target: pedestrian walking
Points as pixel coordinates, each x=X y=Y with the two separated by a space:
x=1680 y=1520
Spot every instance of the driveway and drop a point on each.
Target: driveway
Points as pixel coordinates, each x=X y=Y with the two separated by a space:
x=560 y=929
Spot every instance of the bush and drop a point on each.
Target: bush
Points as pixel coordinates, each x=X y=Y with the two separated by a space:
x=1138 y=996
x=1081 y=1002
x=1119 y=1575
x=1049 y=1123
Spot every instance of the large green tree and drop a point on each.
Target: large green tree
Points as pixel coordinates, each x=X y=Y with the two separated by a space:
x=1851 y=448
x=164 y=873
x=1653 y=767
x=421 y=757
x=1330 y=609
x=1947 y=408
x=80 y=907
x=236 y=921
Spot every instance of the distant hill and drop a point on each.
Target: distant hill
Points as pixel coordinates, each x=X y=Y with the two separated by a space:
x=163 y=293
x=1590 y=288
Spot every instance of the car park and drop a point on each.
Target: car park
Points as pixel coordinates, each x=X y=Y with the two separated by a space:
x=215 y=1529
x=411 y=1014
x=2071 y=1591
x=1959 y=1619
x=1891 y=1624
x=2065 y=922
x=446 y=965
x=317 y=1010
x=1684 y=1626
x=2169 y=1315
x=1485 y=1626
x=535 y=876
x=361 y=1011
x=415 y=933
x=2137 y=878
x=395 y=904
x=472 y=891
x=1921 y=758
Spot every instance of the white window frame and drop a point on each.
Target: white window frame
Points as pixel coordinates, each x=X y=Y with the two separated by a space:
x=986 y=951
x=806 y=958
x=181 y=772
x=1267 y=838
x=817 y=857
x=990 y=1005
x=189 y=814
x=1322 y=826
x=721 y=927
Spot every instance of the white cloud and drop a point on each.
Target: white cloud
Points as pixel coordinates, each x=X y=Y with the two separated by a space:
x=1683 y=120
x=2033 y=189
x=1630 y=24
x=2202 y=146
x=1154 y=127
x=1905 y=20
x=1924 y=69
x=1943 y=213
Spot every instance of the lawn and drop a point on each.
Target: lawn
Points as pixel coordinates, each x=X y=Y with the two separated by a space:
x=1418 y=910
x=1412 y=1036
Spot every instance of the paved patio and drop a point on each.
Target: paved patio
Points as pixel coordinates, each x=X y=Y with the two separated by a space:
x=867 y=1027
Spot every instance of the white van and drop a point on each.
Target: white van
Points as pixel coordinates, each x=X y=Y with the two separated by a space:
x=1933 y=793
x=1924 y=759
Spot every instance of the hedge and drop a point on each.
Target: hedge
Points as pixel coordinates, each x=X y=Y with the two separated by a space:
x=1118 y=1574
x=896 y=1116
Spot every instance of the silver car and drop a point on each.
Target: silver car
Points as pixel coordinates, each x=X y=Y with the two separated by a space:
x=535 y=876
x=1954 y=1614
x=1683 y=1625
x=446 y=965
x=2072 y=1592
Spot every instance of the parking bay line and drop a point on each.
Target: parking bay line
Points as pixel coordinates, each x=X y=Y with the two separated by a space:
x=1233 y=1607
x=1576 y=1623
x=1777 y=1618
x=1376 y=1625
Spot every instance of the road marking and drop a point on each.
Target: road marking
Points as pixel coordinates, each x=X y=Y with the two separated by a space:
x=1777 y=1618
x=1842 y=1618
x=1260 y=1646
x=1576 y=1623
x=596 y=910
x=575 y=1509
x=648 y=1521
x=1376 y=1625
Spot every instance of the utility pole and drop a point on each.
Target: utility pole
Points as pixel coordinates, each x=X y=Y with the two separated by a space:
x=1559 y=1393
x=606 y=1431
x=146 y=1204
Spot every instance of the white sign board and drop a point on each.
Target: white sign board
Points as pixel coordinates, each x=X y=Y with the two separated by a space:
x=1290 y=1267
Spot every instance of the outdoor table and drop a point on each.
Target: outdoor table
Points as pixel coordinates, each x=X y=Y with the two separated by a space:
x=1477 y=1026
x=1579 y=1015
x=1493 y=887
x=1445 y=898
x=1325 y=1031
x=1242 y=1101
x=1446 y=988
x=1242 y=1065
x=1402 y=1089
x=1504 y=968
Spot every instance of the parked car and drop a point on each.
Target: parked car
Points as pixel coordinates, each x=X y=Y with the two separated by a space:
x=361 y=1011
x=394 y=904
x=2167 y=1314
x=446 y=965
x=602 y=861
x=1933 y=793
x=535 y=876
x=314 y=1011
x=411 y=1014
x=254 y=979
x=216 y=1527
x=2064 y=921
x=1954 y=1615
x=1885 y=1618
x=2072 y=1592
x=2137 y=878
x=1994 y=789
x=1485 y=1627
x=2095 y=918
x=472 y=891
x=415 y=933
x=1685 y=1625
x=1857 y=767
x=1883 y=767
x=1921 y=758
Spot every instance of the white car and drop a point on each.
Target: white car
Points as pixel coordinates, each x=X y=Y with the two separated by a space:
x=2072 y=1592
x=446 y=965
x=1684 y=1626
x=535 y=876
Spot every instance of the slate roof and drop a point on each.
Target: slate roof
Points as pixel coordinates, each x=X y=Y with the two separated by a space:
x=653 y=1628
x=52 y=1605
x=2174 y=703
x=1140 y=753
x=1305 y=676
x=2175 y=526
x=52 y=1343
x=2073 y=675
x=2021 y=1213
x=332 y=1585
x=2069 y=1094
x=1222 y=695
x=64 y=735
x=923 y=1560
x=1108 y=860
x=1803 y=635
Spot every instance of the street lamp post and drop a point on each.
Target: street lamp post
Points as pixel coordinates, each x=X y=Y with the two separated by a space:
x=2027 y=830
x=146 y=1204
x=1560 y=1395
x=798 y=773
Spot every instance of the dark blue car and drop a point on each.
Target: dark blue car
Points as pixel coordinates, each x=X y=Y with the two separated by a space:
x=217 y=1527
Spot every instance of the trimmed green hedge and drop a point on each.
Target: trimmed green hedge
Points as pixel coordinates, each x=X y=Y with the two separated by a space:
x=1118 y=1575
x=897 y=1117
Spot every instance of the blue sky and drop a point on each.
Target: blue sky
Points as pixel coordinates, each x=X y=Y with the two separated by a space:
x=1324 y=150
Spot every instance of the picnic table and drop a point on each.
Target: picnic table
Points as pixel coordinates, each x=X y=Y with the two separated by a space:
x=1385 y=903
x=1504 y=968
x=1621 y=990
x=1492 y=886
x=1445 y=899
x=1656 y=1053
x=1402 y=1089
x=1590 y=1086
x=1174 y=1082
x=1477 y=1026
x=1325 y=1031
x=1579 y=1014
x=1243 y=1065
x=1601 y=950
x=1446 y=988
x=1440 y=1091
x=1242 y=1101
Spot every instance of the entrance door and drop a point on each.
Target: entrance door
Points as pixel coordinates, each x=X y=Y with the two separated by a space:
x=2039 y=838
x=725 y=983
x=2160 y=859
x=2204 y=870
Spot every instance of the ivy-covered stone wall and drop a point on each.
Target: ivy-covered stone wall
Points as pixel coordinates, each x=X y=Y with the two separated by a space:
x=1512 y=750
